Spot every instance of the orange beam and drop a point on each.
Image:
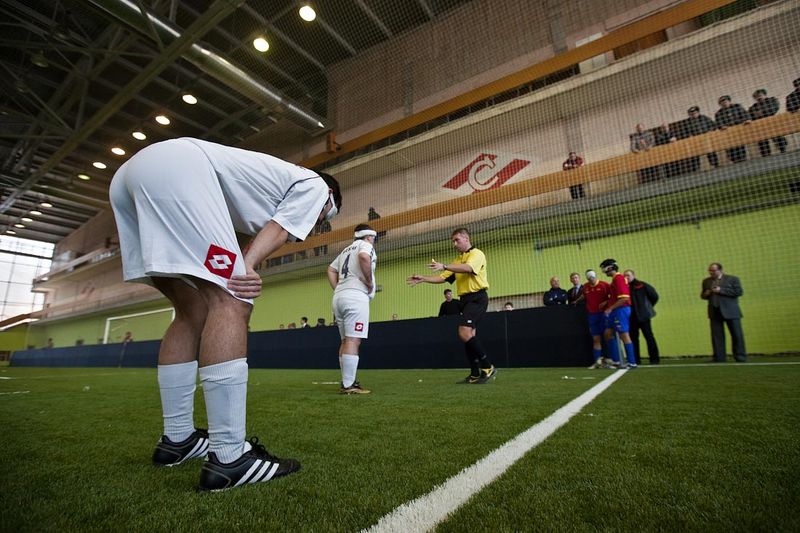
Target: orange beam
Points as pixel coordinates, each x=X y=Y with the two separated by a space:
x=716 y=141
x=627 y=34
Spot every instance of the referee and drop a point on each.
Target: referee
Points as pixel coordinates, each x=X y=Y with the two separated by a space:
x=468 y=271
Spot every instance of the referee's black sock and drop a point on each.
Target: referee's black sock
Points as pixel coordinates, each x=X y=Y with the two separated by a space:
x=477 y=354
x=472 y=357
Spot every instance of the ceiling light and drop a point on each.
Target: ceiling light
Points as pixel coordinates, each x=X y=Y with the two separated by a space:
x=139 y=135
x=83 y=177
x=46 y=204
x=26 y=219
x=19 y=225
x=261 y=44
x=163 y=120
x=307 y=13
x=189 y=99
x=39 y=60
x=118 y=151
x=36 y=213
x=11 y=232
x=100 y=165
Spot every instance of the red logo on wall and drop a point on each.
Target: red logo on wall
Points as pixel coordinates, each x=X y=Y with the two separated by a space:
x=487 y=171
x=220 y=261
x=359 y=326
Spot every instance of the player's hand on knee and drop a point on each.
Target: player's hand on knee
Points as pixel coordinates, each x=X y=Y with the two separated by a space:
x=246 y=286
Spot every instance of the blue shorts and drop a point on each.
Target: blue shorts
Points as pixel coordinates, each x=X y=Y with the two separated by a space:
x=619 y=319
x=597 y=324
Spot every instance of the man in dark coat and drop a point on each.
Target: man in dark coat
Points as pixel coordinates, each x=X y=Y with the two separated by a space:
x=698 y=124
x=643 y=298
x=730 y=114
x=722 y=292
x=766 y=106
x=793 y=98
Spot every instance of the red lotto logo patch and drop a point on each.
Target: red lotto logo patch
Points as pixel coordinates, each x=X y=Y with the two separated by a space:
x=220 y=261
x=359 y=326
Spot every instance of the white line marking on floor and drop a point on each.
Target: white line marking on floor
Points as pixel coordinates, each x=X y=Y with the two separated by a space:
x=15 y=392
x=425 y=512
x=6 y=377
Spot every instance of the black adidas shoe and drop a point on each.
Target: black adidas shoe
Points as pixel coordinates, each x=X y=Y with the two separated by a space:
x=256 y=465
x=170 y=453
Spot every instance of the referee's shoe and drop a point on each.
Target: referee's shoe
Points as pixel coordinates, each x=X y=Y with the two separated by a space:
x=168 y=453
x=487 y=374
x=256 y=465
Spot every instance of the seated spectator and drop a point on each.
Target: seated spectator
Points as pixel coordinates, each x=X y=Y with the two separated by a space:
x=664 y=135
x=291 y=325
x=395 y=317
x=450 y=305
x=320 y=322
x=304 y=322
x=281 y=327
x=793 y=98
x=319 y=229
x=766 y=106
x=374 y=215
x=508 y=306
x=698 y=124
x=574 y=161
x=49 y=343
x=556 y=295
x=575 y=294
x=641 y=141
x=730 y=114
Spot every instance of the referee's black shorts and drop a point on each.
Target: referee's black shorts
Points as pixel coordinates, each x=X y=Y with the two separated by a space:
x=473 y=307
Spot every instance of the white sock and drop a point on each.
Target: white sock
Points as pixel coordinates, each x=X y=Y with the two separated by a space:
x=349 y=367
x=225 y=391
x=177 y=384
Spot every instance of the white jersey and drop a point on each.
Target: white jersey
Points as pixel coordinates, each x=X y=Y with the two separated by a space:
x=178 y=203
x=349 y=268
x=259 y=188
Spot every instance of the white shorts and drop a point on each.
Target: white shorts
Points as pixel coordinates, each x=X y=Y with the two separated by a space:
x=351 y=311
x=172 y=217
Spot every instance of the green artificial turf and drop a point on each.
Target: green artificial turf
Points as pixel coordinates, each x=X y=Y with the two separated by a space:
x=672 y=448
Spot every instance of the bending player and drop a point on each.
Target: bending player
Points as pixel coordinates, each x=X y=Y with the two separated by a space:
x=468 y=271
x=178 y=205
x=352 y=278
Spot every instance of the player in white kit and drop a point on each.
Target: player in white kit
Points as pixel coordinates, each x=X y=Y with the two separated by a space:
x=179 y=205
x=352 y=278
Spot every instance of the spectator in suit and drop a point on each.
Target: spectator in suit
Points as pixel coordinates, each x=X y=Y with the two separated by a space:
x=698 y=124
x=643 y=299
x=722 y=292
x=665 y=135
x=730 y=114
x=575 y=294
x=793 y=98
x=641 y=141
x=766 y=106
x=450 y=305
x=320 y=323
x=574 y=161
x=556 y=295
x=304 y=322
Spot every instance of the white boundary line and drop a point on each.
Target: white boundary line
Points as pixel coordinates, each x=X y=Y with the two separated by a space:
x=425 y=512
x=15 y=392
